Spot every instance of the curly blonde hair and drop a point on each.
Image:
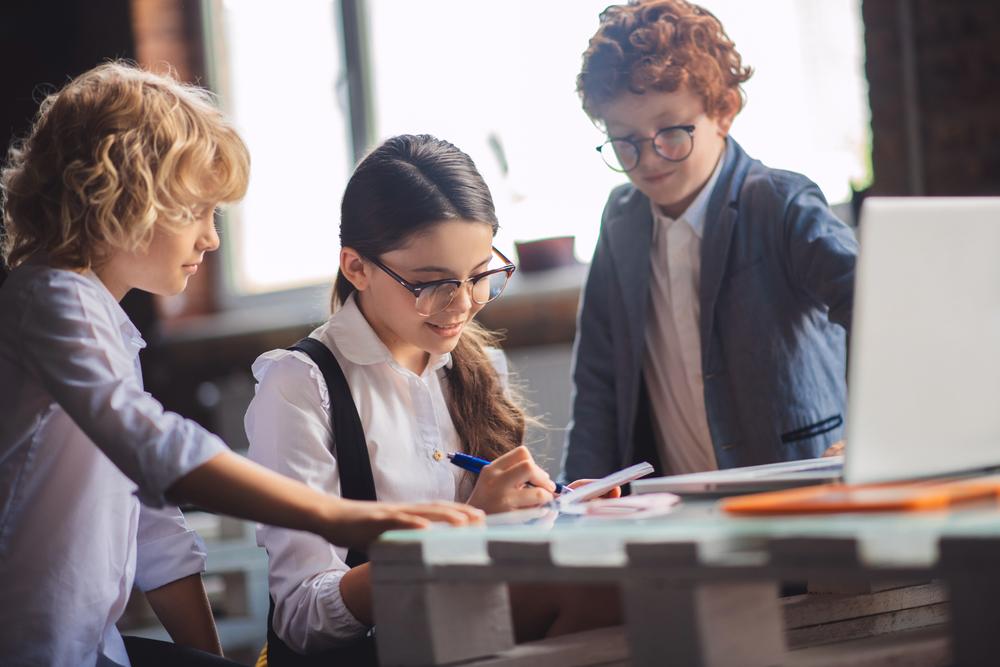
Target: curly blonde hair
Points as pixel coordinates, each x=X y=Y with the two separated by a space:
x=117 y=151
x=661 y=45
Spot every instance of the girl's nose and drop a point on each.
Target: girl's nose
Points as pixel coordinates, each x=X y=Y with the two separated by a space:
x=462 y=301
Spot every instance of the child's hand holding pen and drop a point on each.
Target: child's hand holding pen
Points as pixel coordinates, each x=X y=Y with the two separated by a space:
x=510 y=482
x=476 y=465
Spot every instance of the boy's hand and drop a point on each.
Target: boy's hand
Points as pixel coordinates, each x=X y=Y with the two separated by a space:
x=513 y=481
x=613 y=493
x=353 y=523
x=836 y=449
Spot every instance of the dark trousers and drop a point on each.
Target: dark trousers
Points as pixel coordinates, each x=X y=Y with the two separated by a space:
x=153 y=653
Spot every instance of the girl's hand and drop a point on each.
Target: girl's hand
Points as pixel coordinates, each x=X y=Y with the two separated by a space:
x=613 y=493
x=503 y=485
x=353 y=523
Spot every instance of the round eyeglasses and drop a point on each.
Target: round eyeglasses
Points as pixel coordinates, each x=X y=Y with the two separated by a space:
x=673 y=143
x=434 y=296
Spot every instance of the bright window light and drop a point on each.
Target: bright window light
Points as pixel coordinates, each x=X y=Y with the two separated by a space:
x=503 y=74
x=281 y=77
x=497 y=78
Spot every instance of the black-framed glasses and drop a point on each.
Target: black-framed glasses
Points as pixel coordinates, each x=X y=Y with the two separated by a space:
x=434 y=296
x=673 y=143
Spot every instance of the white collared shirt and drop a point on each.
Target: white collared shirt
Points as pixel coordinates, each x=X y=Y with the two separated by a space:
x=408 y=430
x=74 y=417
x=672 y=365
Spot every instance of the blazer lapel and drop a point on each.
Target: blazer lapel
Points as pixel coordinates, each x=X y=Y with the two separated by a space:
x=630 y=235
x=720 y=221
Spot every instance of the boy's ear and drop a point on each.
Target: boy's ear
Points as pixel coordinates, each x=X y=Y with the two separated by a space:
x=355 y=268
x=726 y=120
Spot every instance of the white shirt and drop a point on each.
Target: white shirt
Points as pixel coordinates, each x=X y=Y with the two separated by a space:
x=408 y=428
x=672 y=366
x=74 y=417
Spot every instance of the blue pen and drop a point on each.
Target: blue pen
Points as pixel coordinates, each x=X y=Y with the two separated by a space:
x=475 y=464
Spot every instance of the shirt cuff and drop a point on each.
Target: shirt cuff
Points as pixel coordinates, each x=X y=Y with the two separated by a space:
x=168 y=559
x=336 y=625
x=186 y=447
x=345 y=626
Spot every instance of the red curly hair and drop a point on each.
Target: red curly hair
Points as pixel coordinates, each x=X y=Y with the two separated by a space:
x=661 y=45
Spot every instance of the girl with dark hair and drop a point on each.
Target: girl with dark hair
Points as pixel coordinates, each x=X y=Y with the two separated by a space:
x=416 y=264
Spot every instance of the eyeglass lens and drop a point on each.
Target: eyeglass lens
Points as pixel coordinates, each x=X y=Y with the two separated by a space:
x=672 y=144
x=433 y=300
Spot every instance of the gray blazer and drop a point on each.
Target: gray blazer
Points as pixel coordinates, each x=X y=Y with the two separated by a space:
x=777 y=280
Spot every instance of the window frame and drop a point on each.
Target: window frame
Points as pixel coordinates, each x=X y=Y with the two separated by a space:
x=296 y=304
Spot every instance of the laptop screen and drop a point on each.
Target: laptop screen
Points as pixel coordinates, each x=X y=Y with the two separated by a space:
x=924 y=367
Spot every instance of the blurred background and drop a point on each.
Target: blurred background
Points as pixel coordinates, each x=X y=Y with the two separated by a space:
x=889 y=97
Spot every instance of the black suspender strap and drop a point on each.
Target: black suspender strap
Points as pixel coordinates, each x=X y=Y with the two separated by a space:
x=349 y=443
x=356 y=483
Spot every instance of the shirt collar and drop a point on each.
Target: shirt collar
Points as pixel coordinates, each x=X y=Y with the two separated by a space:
x=356 y=340
x=697 y=210
x=130 y=333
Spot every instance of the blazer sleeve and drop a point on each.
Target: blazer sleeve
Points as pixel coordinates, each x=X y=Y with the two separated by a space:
x=822 y=253
x=591 y=437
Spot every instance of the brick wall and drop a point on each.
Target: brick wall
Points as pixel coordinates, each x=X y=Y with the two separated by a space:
x=953 y=102
x=42 y=47
x=168 y=33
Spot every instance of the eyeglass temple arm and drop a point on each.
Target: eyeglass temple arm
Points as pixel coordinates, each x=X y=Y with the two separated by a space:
x=505 y=258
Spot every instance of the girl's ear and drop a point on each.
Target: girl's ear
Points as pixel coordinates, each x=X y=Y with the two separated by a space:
x=355 y=268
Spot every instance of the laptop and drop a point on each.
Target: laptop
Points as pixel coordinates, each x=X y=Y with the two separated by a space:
x=750 y=479
x=924 y=367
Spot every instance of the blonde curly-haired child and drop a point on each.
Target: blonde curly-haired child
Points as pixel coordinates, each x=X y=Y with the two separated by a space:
x=115 y=188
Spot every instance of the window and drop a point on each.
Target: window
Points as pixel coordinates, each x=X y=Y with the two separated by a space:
x=280 y=72
x=497 y=78
x=807 y=102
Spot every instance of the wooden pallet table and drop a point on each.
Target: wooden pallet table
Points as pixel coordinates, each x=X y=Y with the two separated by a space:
x=702 y=588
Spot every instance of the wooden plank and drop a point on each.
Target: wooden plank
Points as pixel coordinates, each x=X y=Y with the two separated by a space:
x=969 y=566
x=813 y=609
x=867 y=626
x=663 y=555
x=924 y=647
x=595 y=648
x=504 y=552
x=818 y=555
x=397 y=553
x=425 y=623
x=703 y=625
x=674 y=620
x=814 y=552
x=858 y=586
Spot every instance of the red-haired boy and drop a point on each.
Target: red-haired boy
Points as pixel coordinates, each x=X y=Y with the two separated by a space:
x=712 y=331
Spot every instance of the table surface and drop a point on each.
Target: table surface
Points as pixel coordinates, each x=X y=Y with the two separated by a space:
x=883 y=540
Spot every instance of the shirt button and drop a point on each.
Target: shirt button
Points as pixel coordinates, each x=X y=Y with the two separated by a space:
x=438 y=455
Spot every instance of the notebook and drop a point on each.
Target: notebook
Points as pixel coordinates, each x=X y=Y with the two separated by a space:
x=924 y=367
x=598 y=487
x=750 y=479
